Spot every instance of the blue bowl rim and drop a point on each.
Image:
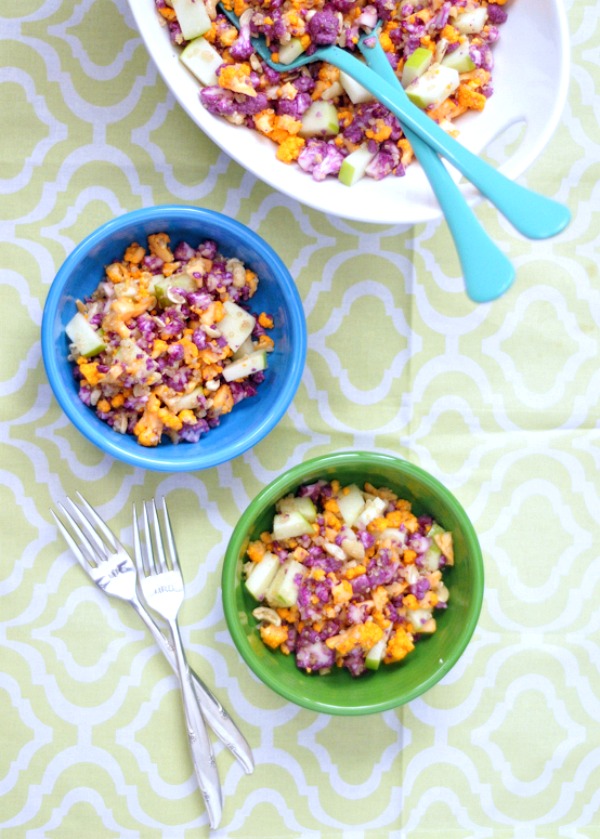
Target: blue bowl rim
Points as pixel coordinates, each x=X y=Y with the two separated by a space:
x=197 y=459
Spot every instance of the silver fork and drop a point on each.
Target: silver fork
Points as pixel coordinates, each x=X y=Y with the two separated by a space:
x=161 y=582
x=107 y=563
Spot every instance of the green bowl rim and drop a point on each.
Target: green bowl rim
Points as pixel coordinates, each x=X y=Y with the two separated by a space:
x=269 y=495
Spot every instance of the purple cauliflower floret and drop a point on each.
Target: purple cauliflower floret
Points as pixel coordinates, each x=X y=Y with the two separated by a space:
x=184 y=252
x=304 y=84
x=242 y=48
x=440 y=19
x=294 y=107
x=208 y=249
x=324 y=27
x=384 y=8
x=320 y=159
x=251 y=105
x=218 y=101
x=343 y=6
x=192 y=433
x=314 y=656
x=420 y=588
x=386 y=161
x=482 y=56
x=355 y=662
x=367 y=18
x=496 y=14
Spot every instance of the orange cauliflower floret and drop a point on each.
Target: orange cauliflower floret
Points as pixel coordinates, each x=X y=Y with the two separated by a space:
x=256 y=550
x=399 y=645
x=379 y=132
x=354 y=571
x=469 y=98
x=240 y=6
x=287 y=123
x=450 y=34
x=364 y=635
x=380 y=598
x=89 y=370
x=148 y=429
x=169 y=419
x=265 y=121
x=187 y=417
x=265 y=320
x=342 y=593
x=223 y=400
x=409 y=556
x=235 y=77
x=410 y=602
x=290 y=148
x=273 y=636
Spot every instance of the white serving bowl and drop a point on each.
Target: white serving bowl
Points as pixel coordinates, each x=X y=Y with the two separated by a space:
x=530 y=86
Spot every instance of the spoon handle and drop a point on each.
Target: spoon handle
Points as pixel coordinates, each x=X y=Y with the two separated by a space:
x=532 y=214
x=487 y=272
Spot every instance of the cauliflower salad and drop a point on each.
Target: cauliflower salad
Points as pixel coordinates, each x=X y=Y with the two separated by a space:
x=317 y=116
x=348 y=577
x=165 y=346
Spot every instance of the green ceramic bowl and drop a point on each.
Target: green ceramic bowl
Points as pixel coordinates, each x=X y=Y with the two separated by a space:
x=392 y=685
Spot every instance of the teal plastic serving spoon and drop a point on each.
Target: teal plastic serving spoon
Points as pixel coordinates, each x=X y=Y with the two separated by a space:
x=533 y=215
x=487 y=271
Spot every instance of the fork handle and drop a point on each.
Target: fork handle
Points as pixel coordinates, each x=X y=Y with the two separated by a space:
x=213 y=712
x=205 y=766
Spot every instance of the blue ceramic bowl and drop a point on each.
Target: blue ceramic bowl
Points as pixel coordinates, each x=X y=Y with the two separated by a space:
x=252 y=419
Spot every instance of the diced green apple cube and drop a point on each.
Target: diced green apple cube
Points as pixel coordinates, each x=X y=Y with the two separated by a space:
x=236 y=325
x=416 y=64
x=192 y=18
x=374 y=508
x=472 y=21
x=262 y=575
x=375 y=655
x=459 y=59
x=298 y=504
x=433 y=87
x=290 y=525
x=431 y=558
x=87 y=340
x=419 y=618
x=202 y=60
x=355 y=91
x=320 y=120
x=351 y=503
x=291 y=51
x=161 y=287
x=247 y=366
x=245 y=349
x=354 y=166
x=394 y=534
x=283 y=591
x=184 y=401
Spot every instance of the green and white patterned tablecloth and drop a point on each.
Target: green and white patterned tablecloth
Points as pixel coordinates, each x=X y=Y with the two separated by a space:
x=501 y=402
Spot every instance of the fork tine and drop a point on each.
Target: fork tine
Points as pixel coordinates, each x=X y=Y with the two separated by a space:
x=100 y=523
x=84 y=526
x=168 y=534
x=160 y=560
x=138 y=553
x=81 y=551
